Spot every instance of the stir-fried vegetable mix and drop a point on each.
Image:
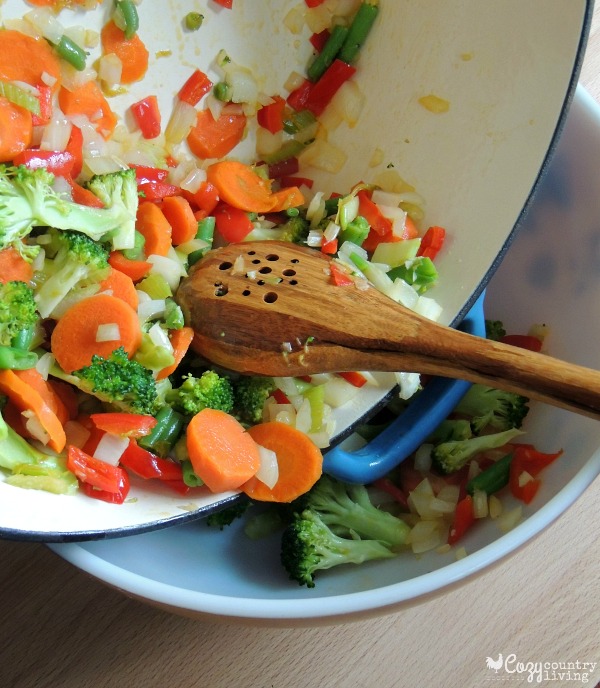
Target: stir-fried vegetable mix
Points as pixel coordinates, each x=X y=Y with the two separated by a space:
x=104 y=212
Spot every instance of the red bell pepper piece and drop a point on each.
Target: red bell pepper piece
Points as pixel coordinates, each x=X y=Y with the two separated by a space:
x=464 y=517
x=298 y=97
x=106 y=496
x=318 y=40
x=280 y=397
x=370 y=211
x=197 y=85
x=75 y=148
x=329 y=247
x=157 y=190
x=354 y=378
x=270 y=116
x=339 y=277
x=147 y=116
x=394 y=491
x=84 y=196
x=314 y=3
x=45 y=100
x=232 y=223
x=59 y=163
x=523 y=341
x=124 y=424
x=296 y=181
x=147 y=465
x=206 y=197
x=145 y=174
x=527 y=459
x=321 y=93
x=432 y=242
x=228 y=4
x=285 y=168
x=98 y=474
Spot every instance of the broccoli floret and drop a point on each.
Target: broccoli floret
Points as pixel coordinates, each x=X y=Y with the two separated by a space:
x=250 y=394
x=31 y=468
x=18 y=311
x=28 y=199
x=116 y=380
x=489 y=406
x=210 y=390
x=347 y=509
x=494 y=329
x=308 y=545
x=451 y=456
x=295 y=230
x=225 y=517
x=74 y=262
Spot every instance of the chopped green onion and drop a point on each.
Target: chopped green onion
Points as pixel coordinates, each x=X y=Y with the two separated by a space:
x=20 y=96
x=356 y=231
x=174 y=319
x=190 y=477
x=298 y=121
x=493 y=478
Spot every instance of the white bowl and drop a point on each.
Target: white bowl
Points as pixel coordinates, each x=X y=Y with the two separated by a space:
x=200 y=572
x=508 y=71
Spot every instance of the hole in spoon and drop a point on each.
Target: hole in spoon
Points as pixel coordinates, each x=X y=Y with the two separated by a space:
x=272 y=257
x=265 y=271
x=270 y=297
x=225 y=265
x=288 y=272
x=220 y=289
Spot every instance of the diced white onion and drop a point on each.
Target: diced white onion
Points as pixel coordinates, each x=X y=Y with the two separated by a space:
x=339 y=391
x=294 y=81
x=148 y=308
x=46 y=23
x=56 y=133
x=44 y=363
x=405 y=294
x=409 y=384
x=294 y=20
x=348 y=102
x=34 y=427
x=104 y=164
x=110 y=69
x=304 y=417
x=110 y=448
x=423 y=457
x=108 y=332
x=428 y=308
x=170 y=268
x=268 y=471
x=181 y=121
x=325 y=156
x=160 y=338
x=243 y=86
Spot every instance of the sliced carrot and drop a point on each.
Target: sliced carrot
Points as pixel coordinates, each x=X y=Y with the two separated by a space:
x=299 y=459
x=240 y=186
x=73 y=340
x=16 y=130
x=180 y=341
x=214 y=138
x=155 y=228
x=222 y=453
x=26 y=398
x=34 y=379
x=180 y=216
x=28 y=59
x=136 y=269
x=13 y=267
x=88 y=100
x=121 y=286
x=131 y=51
x=290 y=197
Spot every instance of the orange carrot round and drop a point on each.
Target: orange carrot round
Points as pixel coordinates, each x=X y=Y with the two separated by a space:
x=290 y=197
x=13 y=267
x=28 y=59
x=180 y=341
x=300 y=462
x=240 y=186
x=222 y=453
x=34 y=379
x=26 y=398
x=89 y=100
x=180 y=216
x=155 y=228
x=73 y=340
x=131 y=51
x=136 y=269
x=214 y=138
x=121 y=286
x=15 y=130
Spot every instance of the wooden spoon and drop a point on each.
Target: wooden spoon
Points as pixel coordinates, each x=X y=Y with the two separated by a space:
x=271 y=308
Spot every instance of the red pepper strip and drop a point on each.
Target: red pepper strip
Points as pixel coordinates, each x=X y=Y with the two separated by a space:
x=395 y=492
x=526 y=459
x=329 y=247
x=228 y=4
x=296 y=181
x=45 y=100
x=147 y=465
x=298 y=97
x=178 y=485
x=339 y=277
x=314 y=3
x=124 y=424
x=75 y=148
x=147 y=116
x=84 y=196
x=285 y=168
x=354 y=378
x=59 y=163
x=464 y=517
x=270 y=116
x=232 y=223
x=318 y=40
x=432 y=242
x=524 y=341
x=106 y=496
x=195 y=87
x=326 y=87
x=156 y=191
x=96 y=473
x=206 y=198
x=145 y=174
x=370 y=211
x=280 y=397
x=136 y=269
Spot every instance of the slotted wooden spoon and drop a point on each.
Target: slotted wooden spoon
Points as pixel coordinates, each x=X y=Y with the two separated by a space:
x=271 y=308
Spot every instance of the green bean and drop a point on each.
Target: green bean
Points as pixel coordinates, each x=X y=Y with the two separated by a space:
x=24 y=339
x=330 y=50
x=71 y=52
x=190 y=477
x=164 y=434
x=493 y=478
x=359 y=30
x=126 y=17
x=331 y=205
x=206 y=229
x=16 y=359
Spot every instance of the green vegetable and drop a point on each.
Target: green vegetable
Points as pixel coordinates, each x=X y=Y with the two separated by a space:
x=295 y=229
x=116 y=380
x=126 y=17
x=28 y=200
x=491 y=407
x=137 y=251
x=165 y=433
x=420 y=273
x=494 y=329
x=73 y=261
x=210 y=390
x=356 y=231
x=249 y=397
x=359 y=30
x=18 y=313
x=152 y=355
x=290 y=149
x=68 y=50
x=223 y=91
x=16 y=359
x=174 y=319
x=225 y=517
x=19 y=96
x=309 y=546
x=493 y=478
x=190 y=477
x=193 y=21
x=451 y=429
x=451 y=456
x=329 y=52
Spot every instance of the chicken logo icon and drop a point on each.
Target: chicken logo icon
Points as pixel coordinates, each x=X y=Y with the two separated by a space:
x=495 y=664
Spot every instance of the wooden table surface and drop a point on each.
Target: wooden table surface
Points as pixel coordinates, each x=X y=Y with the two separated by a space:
x=61 y=629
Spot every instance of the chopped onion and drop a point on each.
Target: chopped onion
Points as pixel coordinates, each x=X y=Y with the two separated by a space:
x=111 y=448
x=170 y=268
x=160 y=338
x=110 y=69
x=409 y=384
x=34 y=427
x=348 y=102
x=56 y=134
x=324 y=156
x=268 y=471
x=104 y=164
x=294 y=20
x=423 y=457
x=108 y=332
x=149 y=309
x=338 y=391
x=181 y=121
x=46 y=23
x=480 y=504
x=428 y=308
x=304 y=417
x=44 y=363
